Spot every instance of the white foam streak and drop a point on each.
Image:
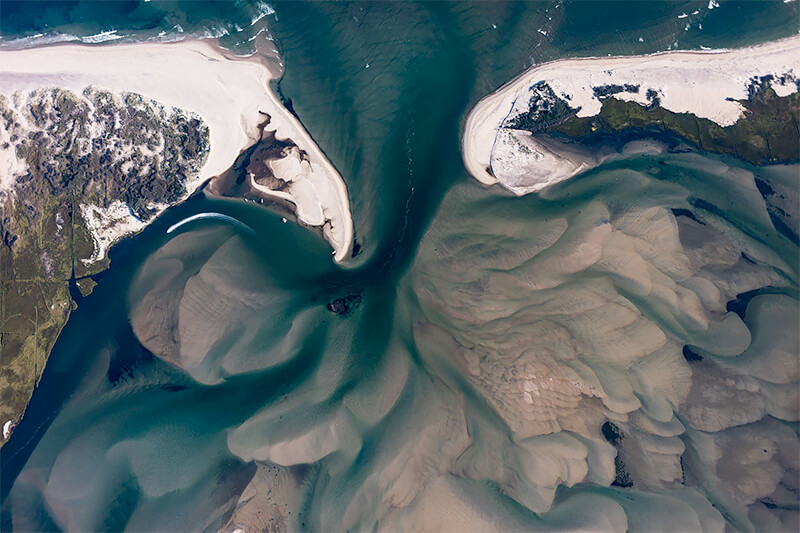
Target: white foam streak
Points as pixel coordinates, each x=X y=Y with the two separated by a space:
x=211 y=216
x=101 y=37
x=263 y=10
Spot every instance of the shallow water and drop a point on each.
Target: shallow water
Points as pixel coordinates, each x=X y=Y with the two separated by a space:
x=208 y=358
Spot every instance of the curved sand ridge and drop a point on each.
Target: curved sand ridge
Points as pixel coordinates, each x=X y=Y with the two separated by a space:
x=704 y=84
x=229 y=93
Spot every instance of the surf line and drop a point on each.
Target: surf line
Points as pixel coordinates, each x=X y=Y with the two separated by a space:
x=214 y=216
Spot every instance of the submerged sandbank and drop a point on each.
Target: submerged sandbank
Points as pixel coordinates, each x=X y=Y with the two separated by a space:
x=230 y=94
x=706 y=84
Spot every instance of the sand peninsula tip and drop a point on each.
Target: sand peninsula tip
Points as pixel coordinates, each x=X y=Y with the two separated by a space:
x=707 y=84
x=231 y=96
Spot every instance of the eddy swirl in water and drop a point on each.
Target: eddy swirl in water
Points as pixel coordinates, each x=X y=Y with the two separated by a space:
x=616 y=352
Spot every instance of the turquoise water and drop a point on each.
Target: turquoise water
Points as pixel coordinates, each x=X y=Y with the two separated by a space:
x=118 y=437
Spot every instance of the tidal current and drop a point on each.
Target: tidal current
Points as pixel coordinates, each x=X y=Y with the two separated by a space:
x=579 y=357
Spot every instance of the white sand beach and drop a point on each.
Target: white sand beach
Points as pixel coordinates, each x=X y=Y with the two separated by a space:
x=705 y=84
x=229 y=93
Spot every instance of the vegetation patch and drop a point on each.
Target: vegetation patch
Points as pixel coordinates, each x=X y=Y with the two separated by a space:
x=604 y=91
x=545 y=110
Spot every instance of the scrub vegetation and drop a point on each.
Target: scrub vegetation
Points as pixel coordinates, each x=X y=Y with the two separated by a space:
x=94 y=148
x=768 y=133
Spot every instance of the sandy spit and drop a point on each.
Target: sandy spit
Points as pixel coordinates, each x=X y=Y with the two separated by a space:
x=230 y=93
x=700 y=83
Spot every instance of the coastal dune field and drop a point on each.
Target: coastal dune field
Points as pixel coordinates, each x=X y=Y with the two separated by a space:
x=230 y=94
x=569 y=333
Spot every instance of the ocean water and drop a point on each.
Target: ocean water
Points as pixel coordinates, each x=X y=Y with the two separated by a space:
x=457 y=292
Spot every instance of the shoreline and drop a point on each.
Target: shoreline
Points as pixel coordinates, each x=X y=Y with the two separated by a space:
x=229 y=93
x=676 y=77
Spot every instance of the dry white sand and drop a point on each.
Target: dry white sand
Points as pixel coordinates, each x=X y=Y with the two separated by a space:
x=228 y=93
x=107 y=225
x=700 y=83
